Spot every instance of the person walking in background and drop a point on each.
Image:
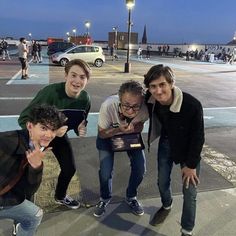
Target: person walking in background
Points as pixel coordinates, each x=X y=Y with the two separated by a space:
x=124 y=113
x=5 y=52
x=148 y=51
x=35 y=52
x=140 y=52
x=39 y=52
x=177 y=117
x=23 y=52
x=21 y=167
x=65 y=95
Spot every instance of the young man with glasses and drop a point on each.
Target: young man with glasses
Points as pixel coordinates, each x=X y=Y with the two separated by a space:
x=124 y=113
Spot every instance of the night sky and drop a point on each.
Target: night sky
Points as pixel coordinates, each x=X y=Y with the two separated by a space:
x=167 y=21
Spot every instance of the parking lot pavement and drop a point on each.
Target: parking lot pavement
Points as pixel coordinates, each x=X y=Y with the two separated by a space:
x=213 y=84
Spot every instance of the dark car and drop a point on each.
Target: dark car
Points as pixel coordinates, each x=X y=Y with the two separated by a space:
x=58 y=47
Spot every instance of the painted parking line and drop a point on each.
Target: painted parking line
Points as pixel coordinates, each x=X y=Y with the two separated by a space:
x=213 y=117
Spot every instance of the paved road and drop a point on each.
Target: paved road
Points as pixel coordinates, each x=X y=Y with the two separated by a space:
x=213 y=84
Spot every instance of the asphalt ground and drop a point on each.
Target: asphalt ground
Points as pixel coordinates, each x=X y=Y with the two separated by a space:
x=213 y=84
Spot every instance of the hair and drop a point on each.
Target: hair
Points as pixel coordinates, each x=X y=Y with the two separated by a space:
x=131 y=86
x=22 y=39
x=155 y=72
x=80 y=63
x=47 y=115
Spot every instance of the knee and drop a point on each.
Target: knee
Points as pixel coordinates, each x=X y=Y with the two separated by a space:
x=33 y=221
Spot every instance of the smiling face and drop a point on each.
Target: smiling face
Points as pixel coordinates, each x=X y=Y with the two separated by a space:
x=40 y=134
x=161 y=90
x=130 y=104
x=76 y=81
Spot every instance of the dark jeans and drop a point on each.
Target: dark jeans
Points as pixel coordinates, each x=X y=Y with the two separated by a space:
x=165 y=165
x=138 y=168
x=62 y=150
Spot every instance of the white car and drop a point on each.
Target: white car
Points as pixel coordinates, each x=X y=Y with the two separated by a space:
x=90 y=53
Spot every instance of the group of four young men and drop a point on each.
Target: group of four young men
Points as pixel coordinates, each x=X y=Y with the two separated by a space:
x=175 y=116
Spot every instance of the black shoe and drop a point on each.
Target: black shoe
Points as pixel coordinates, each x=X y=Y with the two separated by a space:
x=69 y=202
x=160 y=216
x=184 y=234
x=100 y=209
x=23 y=77
x=135 y=206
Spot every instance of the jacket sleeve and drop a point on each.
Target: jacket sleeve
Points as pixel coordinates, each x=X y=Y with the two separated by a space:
x=197 y=138
x=33 y=179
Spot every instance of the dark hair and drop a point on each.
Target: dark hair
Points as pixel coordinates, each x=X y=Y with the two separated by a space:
x=79 y=63
x=22 y=39
x=131 y=86
x=155 y=72
x=47 y=115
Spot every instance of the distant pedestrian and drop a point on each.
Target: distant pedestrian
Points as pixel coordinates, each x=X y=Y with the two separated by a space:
x=39 y=52
x=23 y=53
x=140 y=52
x=35 y=52
x=5 y=52
x=148 y=51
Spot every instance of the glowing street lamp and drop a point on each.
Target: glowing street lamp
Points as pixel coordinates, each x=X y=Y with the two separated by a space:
x=87 y=25
x=115 y=29
x=30 y=36
x=129 y=4
x=74 y=31
x=68 y=36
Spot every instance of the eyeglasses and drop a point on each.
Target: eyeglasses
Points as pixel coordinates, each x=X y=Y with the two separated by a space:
x=128 y=107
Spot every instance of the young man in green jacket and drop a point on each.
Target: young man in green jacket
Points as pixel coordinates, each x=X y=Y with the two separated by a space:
x=65 y=95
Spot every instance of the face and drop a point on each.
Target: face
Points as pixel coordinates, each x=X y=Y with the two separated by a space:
x=76 y=81
x=130 y=104
x=40 y=134
x=161 y=90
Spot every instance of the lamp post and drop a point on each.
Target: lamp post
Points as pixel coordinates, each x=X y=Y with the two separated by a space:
x=68 y=36
x=87 y=25
x=30 y=36
x=115 y=29
x=129 y=4
x=74 y=31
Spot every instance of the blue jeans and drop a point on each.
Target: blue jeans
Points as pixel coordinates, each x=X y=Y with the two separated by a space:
x=27 y=214
x=138 y=169
x=165 y=165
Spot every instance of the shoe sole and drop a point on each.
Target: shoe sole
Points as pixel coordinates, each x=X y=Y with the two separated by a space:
x=71 y=207
x=98 y=216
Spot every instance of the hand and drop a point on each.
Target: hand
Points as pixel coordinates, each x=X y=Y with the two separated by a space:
x=61 y=131
x=189 y=176
x=127 y=128
x=82 y=129
x=35 y=156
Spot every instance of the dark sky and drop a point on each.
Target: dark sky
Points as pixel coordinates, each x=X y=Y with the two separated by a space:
x=167 y=21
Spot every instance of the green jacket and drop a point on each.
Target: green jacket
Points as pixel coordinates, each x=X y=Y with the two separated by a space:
x=54 y=94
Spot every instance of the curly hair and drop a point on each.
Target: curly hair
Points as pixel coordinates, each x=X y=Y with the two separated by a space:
x=131 y=86
x=47 y=115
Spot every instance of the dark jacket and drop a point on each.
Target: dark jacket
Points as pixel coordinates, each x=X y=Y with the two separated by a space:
x=185 y=129
x=13 y=145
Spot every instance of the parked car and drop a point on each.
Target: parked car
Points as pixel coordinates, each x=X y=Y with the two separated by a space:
x=59 y=47
x=90 y=53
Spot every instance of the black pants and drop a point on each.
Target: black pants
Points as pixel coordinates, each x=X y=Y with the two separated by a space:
x=61 y=147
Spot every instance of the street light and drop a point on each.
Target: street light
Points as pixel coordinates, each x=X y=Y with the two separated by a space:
x=115 y=29
x=68 y=36
x=30 y=36
x=87 y=25
x=129 y=4
x=74 y=31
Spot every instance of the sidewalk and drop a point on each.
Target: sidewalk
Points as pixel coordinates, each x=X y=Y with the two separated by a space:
x=216 y=216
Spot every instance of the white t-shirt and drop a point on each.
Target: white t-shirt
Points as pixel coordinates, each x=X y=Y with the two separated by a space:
x=109 y=113
x=21 y=49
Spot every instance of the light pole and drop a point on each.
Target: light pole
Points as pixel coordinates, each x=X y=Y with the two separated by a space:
x=68 y=36
x=74 y=31
x=115 y=29
x=87 y=25
x=30 y=36
x=129 y=4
